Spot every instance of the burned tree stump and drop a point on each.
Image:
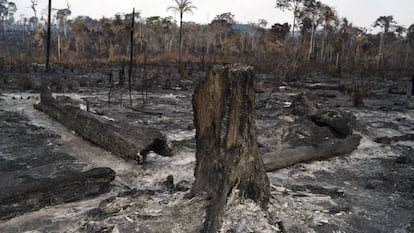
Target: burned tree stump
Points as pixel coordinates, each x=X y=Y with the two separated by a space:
x=124 y=140
x=226 y=152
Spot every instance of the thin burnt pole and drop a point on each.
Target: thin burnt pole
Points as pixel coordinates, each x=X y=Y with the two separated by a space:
x=48 y=36
x=131 y=58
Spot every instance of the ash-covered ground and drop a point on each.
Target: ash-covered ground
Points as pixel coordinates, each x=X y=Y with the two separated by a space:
x=370 y=190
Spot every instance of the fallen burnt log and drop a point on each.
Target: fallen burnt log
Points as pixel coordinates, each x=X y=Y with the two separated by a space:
x=34 y=172
x=287 y=157
x=315 y=134
x=30 y=196
x=124 y=140
x=320 y=86
x=389 y=140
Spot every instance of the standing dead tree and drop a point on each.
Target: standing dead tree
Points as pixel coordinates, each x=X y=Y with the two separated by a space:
x=111 y=86
x=131 y=58
x=48 y=36
x=226 y=153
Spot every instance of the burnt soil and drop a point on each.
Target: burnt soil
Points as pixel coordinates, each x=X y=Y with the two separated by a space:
x=371 y=190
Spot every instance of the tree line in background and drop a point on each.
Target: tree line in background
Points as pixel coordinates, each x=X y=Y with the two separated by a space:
x=317 y=41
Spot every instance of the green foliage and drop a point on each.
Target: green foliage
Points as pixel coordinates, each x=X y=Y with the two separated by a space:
x=153 y=19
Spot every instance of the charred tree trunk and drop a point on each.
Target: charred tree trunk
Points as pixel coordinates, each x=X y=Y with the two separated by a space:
x=131 y=57
x=180 y=38
x=48 y=36
x=226 y=153
x=381 y=51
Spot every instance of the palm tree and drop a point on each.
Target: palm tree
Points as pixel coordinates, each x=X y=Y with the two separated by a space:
x=181 y=7
x=386 y=23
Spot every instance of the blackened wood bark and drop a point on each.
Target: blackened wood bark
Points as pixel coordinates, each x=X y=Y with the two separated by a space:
x=389 y=140
x=124 y=140
x=412 y=85
x=31 y=196
x=35 y=172
x=291 y=156
x=226 y=153
x=48 y=36
x=131 y=57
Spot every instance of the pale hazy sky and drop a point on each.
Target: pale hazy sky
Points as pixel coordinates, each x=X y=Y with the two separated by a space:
x=359 y=12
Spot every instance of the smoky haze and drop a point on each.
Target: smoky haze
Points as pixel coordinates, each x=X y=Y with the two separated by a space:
x=360 y=13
